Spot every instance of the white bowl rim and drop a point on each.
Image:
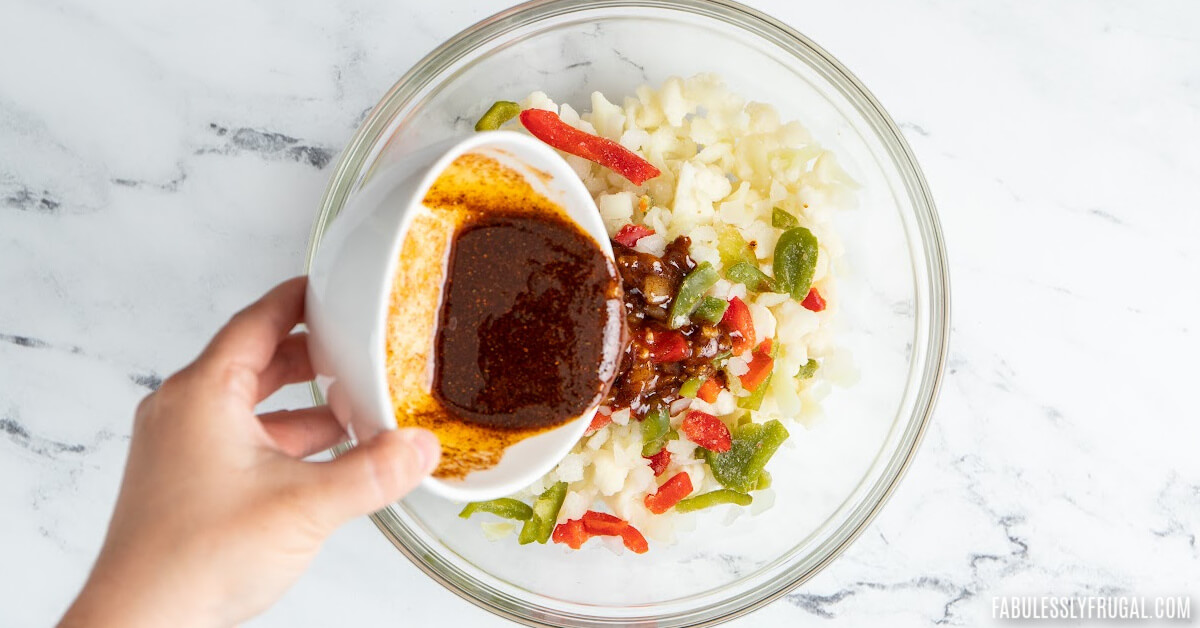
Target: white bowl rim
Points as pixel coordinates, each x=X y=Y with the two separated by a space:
x=551 y=163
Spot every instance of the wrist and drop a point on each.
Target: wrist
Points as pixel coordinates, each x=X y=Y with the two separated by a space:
x=111 y=599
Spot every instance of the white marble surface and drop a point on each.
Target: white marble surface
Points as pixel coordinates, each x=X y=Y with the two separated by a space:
x=160 y=166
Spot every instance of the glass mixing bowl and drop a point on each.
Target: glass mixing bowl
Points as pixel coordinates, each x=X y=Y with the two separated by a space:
x=838 y=472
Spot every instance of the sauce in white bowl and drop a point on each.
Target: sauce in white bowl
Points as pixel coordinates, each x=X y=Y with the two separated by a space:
x=475 y=297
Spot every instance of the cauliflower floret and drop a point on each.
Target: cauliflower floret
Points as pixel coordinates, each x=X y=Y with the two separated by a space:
x=695 y=192
x=539 y=100
x=616 y=210
x=608 y=118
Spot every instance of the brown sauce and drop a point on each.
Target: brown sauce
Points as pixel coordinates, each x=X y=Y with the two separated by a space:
x=505 y=317
x=650 y=284
x=521 y=335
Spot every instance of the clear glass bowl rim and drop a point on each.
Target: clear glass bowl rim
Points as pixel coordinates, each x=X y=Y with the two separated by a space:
x=345 y=178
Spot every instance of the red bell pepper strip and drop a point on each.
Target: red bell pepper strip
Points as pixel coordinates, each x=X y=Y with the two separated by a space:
x=630 y=234
x=814 y=301
x=739 y=324
x=759 y=367
x=669 y=494
x=709 y=390
x=548 y=127
x=571 y=533
x=575 y=532
x=599 y=421
x=634 y=541
x=659 y=461
x=706 y=431
x=666 y=346
x=602 y=524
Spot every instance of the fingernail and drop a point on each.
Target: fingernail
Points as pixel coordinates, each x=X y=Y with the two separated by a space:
x=426 y=448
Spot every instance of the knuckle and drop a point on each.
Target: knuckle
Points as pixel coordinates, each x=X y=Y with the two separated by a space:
x=384 y=472
x=298 y=501
x=172 y=384
x=235 y=378
x=240 y=315
x=145 y=409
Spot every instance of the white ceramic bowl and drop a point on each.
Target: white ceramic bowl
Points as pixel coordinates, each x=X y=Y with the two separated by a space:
x=350 y=284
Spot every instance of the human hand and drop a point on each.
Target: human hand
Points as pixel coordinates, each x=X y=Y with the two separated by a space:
x=217 y=514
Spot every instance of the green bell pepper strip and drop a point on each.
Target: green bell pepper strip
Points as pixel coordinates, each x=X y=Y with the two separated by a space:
x=654 y=430
x=795 y=262
x=506 y=507
x=720 y=359
x=764 y=481
x=753 y=401
x=500 y=112
x=691 y=387
x=710 y=310
x=750 y=274
x=733 y=248
x=714 y=498
x=753 y=445
x=780 y=219
x=808 y=370
x=691 y=291
x=545 y=514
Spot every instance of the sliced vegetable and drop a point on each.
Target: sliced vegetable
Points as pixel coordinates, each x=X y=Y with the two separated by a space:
x=732 y=247
x=694 y=285
x=780 y=219
x=545 y=513
x=714 y=498
x=751 y=275
x=548 y=127
x=634 y=541
x=795 y=261
x=669 y=346
x=753 y=445
x=710 y=310
x=500 y=112
x=690 y=388
x=721 y=359
x=739 y=324
x=754 y=400
x=659 y=461
x=669 y=494
x=577 y=531
x=630 y=234
x=814 y=301
x=808 y=370
x=599 y=421
x=764 y=481
x=571 y=533
x=655 y=426
x=759 y=368
x=706 y=431
x=602 y=524
x=709 y=390
x=506 y=507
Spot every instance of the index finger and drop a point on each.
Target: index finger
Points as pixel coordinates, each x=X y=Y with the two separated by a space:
x=250 y=337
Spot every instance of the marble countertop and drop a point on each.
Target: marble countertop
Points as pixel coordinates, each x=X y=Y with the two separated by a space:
x=160 y=167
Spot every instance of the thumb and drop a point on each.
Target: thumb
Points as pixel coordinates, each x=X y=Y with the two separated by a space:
x=374 y=474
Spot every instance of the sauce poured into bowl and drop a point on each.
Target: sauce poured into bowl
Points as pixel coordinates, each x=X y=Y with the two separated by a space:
x=521 y=331
x=506 y=317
